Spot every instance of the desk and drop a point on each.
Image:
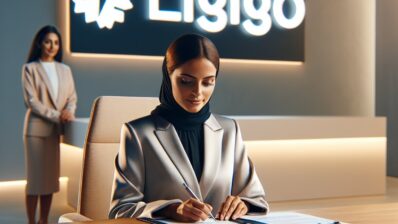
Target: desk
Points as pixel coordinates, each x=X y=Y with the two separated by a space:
x=385 y=213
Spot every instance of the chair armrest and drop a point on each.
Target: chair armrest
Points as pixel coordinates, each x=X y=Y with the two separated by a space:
x=73 y=217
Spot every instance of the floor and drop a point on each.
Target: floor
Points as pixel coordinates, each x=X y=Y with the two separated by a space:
x=12 y=208
x=12 y=204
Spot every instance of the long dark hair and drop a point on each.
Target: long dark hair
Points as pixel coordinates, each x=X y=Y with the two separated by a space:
x=188 y=47
x=35 y=49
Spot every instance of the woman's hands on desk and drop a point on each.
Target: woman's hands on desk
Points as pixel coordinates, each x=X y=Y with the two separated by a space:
x=194 y=210
x=233 y=206
x=191 y=210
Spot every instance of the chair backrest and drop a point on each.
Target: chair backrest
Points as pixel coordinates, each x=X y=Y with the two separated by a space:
x=101 y=146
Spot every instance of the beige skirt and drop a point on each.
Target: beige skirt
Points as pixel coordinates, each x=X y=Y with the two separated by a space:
x=42 y=157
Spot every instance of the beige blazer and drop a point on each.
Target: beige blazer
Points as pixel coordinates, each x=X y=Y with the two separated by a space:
x=43 y=109
x=152 y=166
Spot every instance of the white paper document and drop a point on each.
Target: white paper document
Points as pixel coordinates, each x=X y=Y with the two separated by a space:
x=272 y=218
x=290 y=218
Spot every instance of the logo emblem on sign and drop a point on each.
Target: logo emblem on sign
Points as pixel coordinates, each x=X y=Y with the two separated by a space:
x=111 y=12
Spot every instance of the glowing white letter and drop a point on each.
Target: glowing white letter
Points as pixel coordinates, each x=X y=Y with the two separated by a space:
x=259 y=14
x=216 y=10
x=188 y=11
x=234 y=12
x=281 y=19
x=156 y=14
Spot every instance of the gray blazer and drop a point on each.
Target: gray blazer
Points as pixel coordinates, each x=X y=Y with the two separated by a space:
x=43 y=109
x=152 y=166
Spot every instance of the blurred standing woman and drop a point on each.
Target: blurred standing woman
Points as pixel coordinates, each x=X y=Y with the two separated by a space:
x=50 y=99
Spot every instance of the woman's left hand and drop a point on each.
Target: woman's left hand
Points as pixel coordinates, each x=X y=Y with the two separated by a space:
x=66 y=116
x=233 y=207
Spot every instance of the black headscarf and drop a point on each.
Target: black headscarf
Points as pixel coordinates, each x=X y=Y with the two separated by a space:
x=173 y=112
x=189 y=126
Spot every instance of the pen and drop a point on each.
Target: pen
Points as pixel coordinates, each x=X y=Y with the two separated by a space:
x=194 y=196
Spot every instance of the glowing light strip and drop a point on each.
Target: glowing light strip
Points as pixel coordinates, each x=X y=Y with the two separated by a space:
x=15 y=183
x=160 y=58
x=67 y=49
x=304 y=140
x=71 y=146
x=116 y=56
x=265 y=62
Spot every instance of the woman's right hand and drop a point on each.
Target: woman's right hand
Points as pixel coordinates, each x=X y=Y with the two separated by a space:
x=66 y=116
x=191 y=210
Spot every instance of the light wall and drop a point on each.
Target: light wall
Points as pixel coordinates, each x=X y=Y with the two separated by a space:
x=19 y=21
x=337 y=77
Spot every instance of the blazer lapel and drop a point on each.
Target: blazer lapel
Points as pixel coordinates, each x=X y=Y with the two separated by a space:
x=168 y=138
x=213 y=135
x=44 y=76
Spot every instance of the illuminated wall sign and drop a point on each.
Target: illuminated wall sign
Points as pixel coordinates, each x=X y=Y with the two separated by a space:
x=241 y=29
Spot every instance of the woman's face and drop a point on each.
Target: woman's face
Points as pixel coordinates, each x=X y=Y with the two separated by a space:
x=193 y=84
x=49 y=47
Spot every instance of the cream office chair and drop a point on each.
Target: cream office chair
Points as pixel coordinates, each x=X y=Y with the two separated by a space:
x=101 y=146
